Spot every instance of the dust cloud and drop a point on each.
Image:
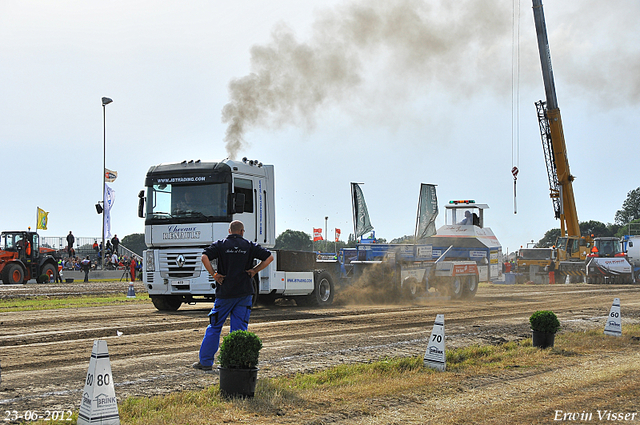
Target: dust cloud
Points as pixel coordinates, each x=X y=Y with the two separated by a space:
x=403 y=47
x=417 y=42
x=376 y=287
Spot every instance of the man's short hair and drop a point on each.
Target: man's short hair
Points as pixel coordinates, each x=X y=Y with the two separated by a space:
x=236 y=226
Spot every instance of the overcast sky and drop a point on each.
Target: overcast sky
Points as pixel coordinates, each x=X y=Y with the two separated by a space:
x=390 y=95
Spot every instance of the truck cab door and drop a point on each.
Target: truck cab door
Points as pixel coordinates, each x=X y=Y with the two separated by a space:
x=246 y=185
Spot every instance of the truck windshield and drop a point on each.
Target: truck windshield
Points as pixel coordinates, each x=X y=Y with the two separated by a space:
x=172 y=203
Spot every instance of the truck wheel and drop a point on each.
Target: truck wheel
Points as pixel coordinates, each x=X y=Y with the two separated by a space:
x=50 y=271
x=166 y=303
x=323 y=293
x=470 y=287
x=254 y=299
x=267 y=299
x=455 y=288
x=13 y=274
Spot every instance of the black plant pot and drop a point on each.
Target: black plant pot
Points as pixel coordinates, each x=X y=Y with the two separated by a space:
x=543 y=339
x=238 y=382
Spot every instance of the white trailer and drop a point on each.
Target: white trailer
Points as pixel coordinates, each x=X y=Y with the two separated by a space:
x=189 y=205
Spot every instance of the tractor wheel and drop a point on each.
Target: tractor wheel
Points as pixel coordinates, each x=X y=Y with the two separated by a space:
x=410 y=288
x=50 y=271
x=455 y=288
x=166 y=303
x=470 y=287
x=13 y=274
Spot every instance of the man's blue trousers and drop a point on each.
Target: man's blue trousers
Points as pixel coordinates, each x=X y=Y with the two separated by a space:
x=238 y=309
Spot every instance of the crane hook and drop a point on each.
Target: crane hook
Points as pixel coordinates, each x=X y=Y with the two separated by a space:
x=514 y=171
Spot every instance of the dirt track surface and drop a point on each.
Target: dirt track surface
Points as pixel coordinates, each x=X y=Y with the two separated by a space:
x=45 y=354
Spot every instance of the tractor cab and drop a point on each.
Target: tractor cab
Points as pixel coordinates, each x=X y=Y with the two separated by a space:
x=25 y=244
x=606 y=247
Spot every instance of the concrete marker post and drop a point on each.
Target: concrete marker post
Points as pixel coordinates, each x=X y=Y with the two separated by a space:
x=99 y=404
x=435 y=356
x=613 y=326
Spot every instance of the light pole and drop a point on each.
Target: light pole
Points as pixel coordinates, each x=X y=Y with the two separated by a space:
x=325 y=233
x=105 y=102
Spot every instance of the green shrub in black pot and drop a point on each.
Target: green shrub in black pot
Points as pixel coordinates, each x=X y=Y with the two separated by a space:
x=544 y=325
x=238 y=359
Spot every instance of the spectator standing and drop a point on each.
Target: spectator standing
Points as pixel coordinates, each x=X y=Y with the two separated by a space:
x=234 y=286
x=132 y=268
x=70 y=241
x=86 y=266
x=116 y=243
x=59 y=273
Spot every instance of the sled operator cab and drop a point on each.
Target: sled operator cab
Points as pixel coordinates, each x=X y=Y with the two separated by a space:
x=465 y=212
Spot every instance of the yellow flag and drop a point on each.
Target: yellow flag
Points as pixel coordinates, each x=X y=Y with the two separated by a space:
x=42 y=219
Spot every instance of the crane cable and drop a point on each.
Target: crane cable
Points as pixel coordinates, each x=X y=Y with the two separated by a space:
x=515 y=98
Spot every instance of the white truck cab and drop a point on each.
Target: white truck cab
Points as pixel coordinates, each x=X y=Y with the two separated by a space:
x=189 y=205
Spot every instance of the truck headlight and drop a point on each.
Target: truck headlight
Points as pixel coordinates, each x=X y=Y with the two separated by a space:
x=149 y=262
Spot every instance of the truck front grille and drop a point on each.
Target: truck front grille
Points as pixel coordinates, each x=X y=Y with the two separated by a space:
x=180 y=265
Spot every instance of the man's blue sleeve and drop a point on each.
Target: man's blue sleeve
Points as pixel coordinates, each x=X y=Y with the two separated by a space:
x=211 y=251
x=260 y=253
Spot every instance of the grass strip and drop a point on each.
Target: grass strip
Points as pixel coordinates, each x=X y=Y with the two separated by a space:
x=360 y=392
x=43 y=302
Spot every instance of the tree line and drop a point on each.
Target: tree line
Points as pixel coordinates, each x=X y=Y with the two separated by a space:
x=297 y=240
x=626 y=221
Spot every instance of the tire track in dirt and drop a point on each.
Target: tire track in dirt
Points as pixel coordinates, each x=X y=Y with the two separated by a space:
x=45 y=359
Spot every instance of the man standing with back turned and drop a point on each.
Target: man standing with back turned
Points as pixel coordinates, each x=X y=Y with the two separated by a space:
x=234 y=286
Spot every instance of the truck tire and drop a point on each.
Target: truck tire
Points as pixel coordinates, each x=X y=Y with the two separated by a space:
x=323 y=293
x=50 y=270
x=456 y=287
x=470 y=287
x=166 y=302
x=13 y=274
x=254 y=299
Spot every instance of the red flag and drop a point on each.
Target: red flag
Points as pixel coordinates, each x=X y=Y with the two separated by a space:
x=337 y=234
x=317 y=234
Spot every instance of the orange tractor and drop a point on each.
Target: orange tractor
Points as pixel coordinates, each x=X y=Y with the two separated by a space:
x=22 y=258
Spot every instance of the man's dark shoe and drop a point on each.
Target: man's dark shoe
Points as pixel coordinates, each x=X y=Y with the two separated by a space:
x=199 y=366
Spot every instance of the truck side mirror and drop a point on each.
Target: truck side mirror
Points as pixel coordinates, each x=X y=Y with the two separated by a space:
x=141 y=204
x=238 y=203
